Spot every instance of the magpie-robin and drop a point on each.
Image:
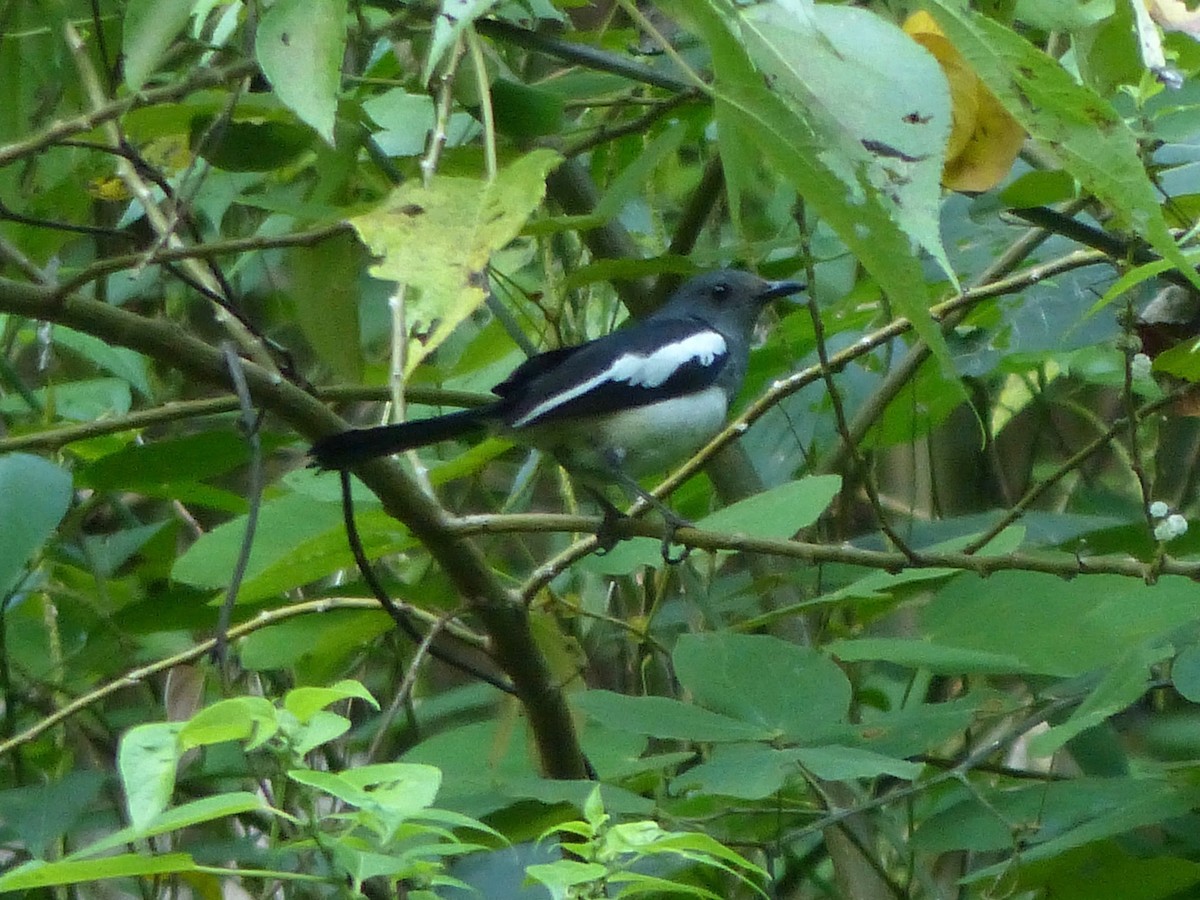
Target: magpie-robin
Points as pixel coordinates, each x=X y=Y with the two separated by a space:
x=627 y=404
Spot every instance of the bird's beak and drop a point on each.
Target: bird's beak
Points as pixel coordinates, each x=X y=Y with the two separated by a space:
x=776 y=289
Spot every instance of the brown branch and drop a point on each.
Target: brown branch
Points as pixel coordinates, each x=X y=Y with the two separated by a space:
x=502 y=615
x=1063 y=566
x=208 y=250
x=134 y=676
x=179 y=410
x=200 y=79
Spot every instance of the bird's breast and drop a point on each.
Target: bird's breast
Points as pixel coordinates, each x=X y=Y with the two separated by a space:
x=653 y=438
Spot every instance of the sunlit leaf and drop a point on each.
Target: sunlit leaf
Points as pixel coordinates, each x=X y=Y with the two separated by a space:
x=439 y=239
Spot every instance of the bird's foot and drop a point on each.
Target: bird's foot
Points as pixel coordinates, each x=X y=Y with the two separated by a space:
x=673 y=523
x=608 y=535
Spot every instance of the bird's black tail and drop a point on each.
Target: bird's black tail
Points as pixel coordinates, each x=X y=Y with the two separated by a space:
x=349 y=448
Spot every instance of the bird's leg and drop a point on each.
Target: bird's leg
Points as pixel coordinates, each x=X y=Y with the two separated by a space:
x=608 y=535
x=673 y=520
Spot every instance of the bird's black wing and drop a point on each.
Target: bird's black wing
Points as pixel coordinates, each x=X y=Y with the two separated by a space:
x=534 y=366
x=648 y=362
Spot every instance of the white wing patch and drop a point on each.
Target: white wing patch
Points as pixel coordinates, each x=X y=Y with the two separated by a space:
x=639 y=371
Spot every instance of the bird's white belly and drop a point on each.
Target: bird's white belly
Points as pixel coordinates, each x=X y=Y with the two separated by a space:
x=655 y=437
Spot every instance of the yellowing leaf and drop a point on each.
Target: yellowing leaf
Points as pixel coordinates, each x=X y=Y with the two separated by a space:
x=438 y=239
x=984 y=138
x=108 y=187
x=1088 y=136
x=1173 y=15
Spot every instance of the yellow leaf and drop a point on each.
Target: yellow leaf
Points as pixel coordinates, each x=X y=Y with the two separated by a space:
x=108 y=187
x=439 y=239
x=984 y=139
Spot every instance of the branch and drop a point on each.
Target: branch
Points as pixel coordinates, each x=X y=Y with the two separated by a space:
x=200 y=79
x=179 y=410
x=132 y=677
x=502 y=616
x=1064 y=566
x=582 y=55
x=208 y=250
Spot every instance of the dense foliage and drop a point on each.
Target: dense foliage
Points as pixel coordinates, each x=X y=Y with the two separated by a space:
x=938 y=632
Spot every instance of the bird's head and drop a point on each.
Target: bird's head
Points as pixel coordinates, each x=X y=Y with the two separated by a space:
x=730 y=299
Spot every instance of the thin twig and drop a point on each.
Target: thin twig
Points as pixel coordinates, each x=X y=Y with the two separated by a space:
x=248 y=424
x=581 y=55
x=199 y=79
x=135 y=676
x=403 y=622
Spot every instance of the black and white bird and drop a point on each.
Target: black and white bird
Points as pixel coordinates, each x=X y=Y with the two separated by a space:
x=615 y=408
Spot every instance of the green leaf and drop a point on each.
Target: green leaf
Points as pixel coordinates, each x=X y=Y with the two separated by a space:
x=919 y=654
x=250 y=146
x=85 y=400
x=1039 y=188
x=388 y=794
x=1107 y=869
x=628 y=556
x=796 y=145
x=167 y=462
x=833 y=763
x=565 y=873
x=325 y=295
x=779 y=512
x=304 y=702
x=42 y=813
x=665 y=718
x=1185 y=673
x=523 y=112
x=34 y=497
x=249 y=719
x=120 y=361
x=1022 y=614
x=331 y=783
x=1105 y=815
x=195 y=812
x=746 y=771
x=876 y=91
x=1092 y=141
x=146 y=762
x=149 y=28
x=298 y=541
x=1056 y=814
x=318 y=647
x=770 y=684
x=454 y=17
x=918 y=728
x=404 y=120
x=637 y=884
x=1121 y=686
x=39 y=874
x=300 y=45
x=439 y=239
x=321 y=728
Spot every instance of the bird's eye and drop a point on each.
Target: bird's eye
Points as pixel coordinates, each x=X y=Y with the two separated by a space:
x=720 y=289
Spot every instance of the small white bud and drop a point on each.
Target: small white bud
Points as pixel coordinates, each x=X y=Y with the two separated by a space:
x=1178 y=523
x=1171 y=527
x=1140 y=365
x=1159 y=510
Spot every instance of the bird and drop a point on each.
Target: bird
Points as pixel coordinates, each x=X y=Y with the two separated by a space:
x=613 y=409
